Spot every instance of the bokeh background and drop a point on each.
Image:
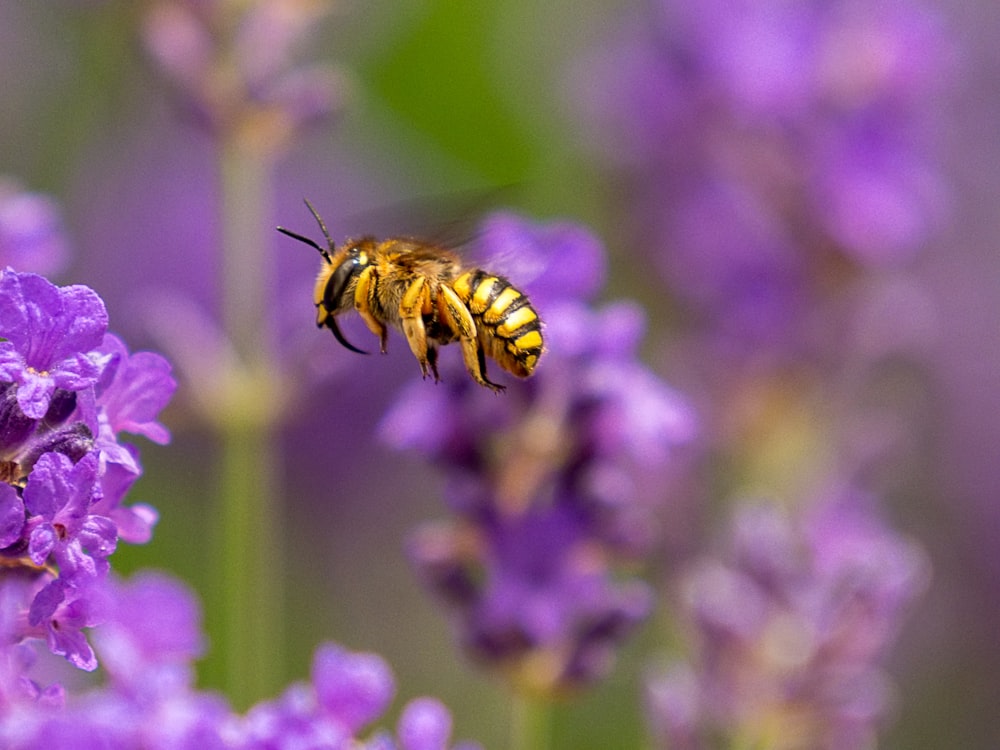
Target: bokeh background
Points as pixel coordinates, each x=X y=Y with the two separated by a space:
x=456 y=100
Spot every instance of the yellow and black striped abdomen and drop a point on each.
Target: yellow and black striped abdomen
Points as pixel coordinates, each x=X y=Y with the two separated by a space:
x=508 y=326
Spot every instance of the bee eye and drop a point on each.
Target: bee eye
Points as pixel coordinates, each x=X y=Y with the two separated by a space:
x=338 y=281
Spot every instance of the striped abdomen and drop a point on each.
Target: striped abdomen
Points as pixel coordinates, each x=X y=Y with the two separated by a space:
x=508 y=327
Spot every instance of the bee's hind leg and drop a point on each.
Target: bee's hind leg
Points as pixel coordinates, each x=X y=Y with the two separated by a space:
x=432 y=359
x=457 y=316
x=417 y=301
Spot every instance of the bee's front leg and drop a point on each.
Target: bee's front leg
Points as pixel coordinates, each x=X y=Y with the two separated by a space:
x=364 y=296
x=416 y=301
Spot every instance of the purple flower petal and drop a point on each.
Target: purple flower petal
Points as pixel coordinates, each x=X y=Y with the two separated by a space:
x=50 y=330
x=425 y=724
x=42 y=540
x=134 y=389
x=56 y=486
x=152 y=619
x=72 y=644
x=83 y=319
x=11 y=515
x=47 y=601
x=353 y=687
x=552 y=261
x=99 y=536
x=34 y=393
x=135 y=523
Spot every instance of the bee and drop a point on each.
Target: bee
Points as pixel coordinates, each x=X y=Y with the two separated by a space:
x=427 y=293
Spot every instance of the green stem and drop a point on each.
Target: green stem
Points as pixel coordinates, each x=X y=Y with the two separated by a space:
x=250 y=641
x=531 y=723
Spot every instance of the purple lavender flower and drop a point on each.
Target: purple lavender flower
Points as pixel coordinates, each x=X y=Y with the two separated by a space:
x=67 y=389
x=791 y=625
x=349 y=691
x=773 y=149
x=31 y=232
x=425 y=724
x=235 y=69
x=58 y=497
x=547 y=482
x=133 y=389
x=59 y=612
x=149 y=633
x=50 y=331
x=152 y=621
x=148 y=636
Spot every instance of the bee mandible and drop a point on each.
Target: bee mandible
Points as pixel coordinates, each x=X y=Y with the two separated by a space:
x=425 y=292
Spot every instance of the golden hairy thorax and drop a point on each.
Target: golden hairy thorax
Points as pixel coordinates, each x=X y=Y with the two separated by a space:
x=425 y=292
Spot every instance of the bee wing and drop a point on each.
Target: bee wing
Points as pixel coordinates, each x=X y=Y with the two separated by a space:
x=446 y=220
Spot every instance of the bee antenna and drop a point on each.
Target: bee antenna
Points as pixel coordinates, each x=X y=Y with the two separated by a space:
x=319 y=221
x=306 y=240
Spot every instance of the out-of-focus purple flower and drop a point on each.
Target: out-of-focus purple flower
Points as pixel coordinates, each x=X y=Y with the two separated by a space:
x=148 y=636
x=425 y=724
x=533 y=594
x=234 y=66
x=31 y=231
x=547 y=481
x=355 y=688
x=555 y=261
x=771 y=150
x=791 y=625
x=349 y=691
x=148 y=633
x=152 y=621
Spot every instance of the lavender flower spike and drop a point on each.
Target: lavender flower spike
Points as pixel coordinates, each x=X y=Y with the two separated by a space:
x=50 y=331
x=67 y=389
x=235 y=67
x=792 y=624
x=553 y=485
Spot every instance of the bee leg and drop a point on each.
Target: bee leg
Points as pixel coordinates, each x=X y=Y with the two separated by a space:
x=416 y=301
x=459 y=319
x=432 y=358
x=364 y=296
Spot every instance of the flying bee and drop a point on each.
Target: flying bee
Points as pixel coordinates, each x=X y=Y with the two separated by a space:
x=426 y=292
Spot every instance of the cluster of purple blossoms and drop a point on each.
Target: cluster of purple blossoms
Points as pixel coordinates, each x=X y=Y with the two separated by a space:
x=149 y=698
x=774 y=149
x=232 y=64
x=550 y=483
x=68 y=389
x=790 y=626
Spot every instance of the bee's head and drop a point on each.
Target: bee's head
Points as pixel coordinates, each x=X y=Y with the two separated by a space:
x=340 y=276
x=336 y=283
x=337 y=279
